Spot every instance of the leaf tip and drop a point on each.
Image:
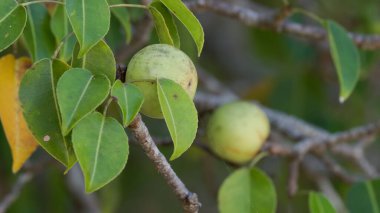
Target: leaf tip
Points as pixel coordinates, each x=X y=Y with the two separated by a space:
x=174 y=156
x=16 y=167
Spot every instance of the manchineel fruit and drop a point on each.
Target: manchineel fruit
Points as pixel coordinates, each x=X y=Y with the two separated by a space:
x=160 y=61
x=236 y=131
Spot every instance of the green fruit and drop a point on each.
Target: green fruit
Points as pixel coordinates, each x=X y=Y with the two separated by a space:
x=237 y=131
x=160 y=61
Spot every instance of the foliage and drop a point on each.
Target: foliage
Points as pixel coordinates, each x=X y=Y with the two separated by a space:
x=69 y=99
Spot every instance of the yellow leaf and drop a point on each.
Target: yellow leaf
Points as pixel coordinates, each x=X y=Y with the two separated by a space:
x=19 y=137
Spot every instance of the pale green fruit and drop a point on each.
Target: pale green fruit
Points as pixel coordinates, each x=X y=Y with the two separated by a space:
x=237 y=131
x=160 y=61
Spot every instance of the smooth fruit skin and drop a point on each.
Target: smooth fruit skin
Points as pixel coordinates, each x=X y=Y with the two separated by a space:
x=237 y=131
x=160 y=61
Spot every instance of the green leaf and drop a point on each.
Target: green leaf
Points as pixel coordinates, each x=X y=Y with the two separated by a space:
x=61 y=28
x=130 y=100
x=345 y=56
x=91 y=60
x=79 y=93
x=38 y=38
x=318 y=203
x=90 y=21
x=12 y=22
x=165 y=26
x=161 y=28
x=179 y=113
x=364 y=197
x=101 y=146
x=40 y=108
x=179 y=9
x=247 y=191
x=123 y=16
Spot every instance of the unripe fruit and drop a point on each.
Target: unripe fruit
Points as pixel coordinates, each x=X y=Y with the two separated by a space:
x=160 y=61
x=237 y=131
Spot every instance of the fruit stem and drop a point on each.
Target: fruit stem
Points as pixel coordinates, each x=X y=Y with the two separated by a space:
x=309 y=14
x=256 y=159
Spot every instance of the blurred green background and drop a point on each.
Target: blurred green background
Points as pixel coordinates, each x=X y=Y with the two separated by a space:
x=280 y=71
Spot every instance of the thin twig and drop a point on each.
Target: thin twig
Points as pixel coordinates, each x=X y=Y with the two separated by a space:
x=31 y=170
x=15 y=192
x=87 y=202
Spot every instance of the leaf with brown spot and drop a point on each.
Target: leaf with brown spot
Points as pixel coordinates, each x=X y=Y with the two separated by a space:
x=20 y=139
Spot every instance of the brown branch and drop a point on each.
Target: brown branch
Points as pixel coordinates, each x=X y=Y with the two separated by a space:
x=269 y=20
x=336 y=169
x=293 y=176
x=189 y=200
x=312 y=138
x=328 y=140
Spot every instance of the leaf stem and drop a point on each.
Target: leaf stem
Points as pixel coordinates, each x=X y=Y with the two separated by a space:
x=256 y=159
x=56 y=52
x=309 y=14
x=129 y=5
x=109 y=101
x=41 y=1
x=143 y=80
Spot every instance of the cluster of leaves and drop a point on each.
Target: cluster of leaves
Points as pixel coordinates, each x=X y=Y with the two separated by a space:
x=66 y=108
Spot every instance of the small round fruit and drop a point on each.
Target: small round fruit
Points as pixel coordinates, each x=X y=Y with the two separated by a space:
x=160 y=61
x=237 y=131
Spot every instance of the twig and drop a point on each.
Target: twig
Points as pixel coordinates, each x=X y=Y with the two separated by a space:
x=87 y=202
x=189 y=200
x=293 y=176
x=267 y=20
x=324 y=185
x=31 y=170
x=15 y=192
x=325 y=140
x=336 y=169
x=312 y=139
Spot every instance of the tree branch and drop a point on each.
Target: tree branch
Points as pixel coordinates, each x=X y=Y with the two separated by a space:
x=189 y=200
x=311 y=139
x=269 y=20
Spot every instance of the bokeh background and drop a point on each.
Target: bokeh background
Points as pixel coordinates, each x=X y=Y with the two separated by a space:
x=282 y=72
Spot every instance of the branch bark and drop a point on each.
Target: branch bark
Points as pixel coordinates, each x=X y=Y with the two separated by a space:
x=310 y=138
x=269 y=20
x=189 y=200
